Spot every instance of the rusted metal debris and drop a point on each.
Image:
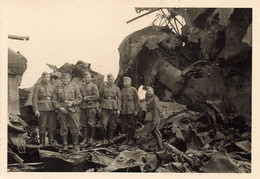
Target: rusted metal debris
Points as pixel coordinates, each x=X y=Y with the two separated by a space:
x=189 y=146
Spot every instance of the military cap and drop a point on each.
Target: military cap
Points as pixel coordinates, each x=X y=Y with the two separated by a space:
x=127 y=78
x=86 y=73
x=110 y=76
x=64 y=75
x=45 y=74
x=149 y=87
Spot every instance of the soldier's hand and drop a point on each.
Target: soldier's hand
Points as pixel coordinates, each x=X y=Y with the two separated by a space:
x=70 y=103
x=85 y=98
x=62 y=110
x=37 y=114
x=136 y=114
x=118 y=112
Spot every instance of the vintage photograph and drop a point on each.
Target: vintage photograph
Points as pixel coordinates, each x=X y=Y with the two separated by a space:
x=98 y=87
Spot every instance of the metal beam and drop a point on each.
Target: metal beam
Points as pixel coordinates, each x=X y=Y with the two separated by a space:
x=143 y=15
x=16 y=37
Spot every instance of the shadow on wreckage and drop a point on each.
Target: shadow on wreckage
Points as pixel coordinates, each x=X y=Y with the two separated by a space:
x=205 y=104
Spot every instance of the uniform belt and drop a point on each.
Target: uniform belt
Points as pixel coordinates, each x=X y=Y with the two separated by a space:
x=109 y=97
x=46 y=98
x=63 y=101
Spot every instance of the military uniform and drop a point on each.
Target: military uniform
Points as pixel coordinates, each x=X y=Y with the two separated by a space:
x=110 y=104
x=89 y=104
x=129 y=106
x=42 y=95
x=151 y=121
x=62 y=95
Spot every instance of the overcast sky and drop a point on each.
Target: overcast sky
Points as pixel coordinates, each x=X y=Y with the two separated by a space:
x=68 y=31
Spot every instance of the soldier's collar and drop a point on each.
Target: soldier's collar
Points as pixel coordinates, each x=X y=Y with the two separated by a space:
x=65 y=85
x=149 y=98
x=46 y=84
x=87 y=83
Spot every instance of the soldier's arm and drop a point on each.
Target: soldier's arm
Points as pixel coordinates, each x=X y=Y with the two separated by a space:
x=78 y=97
x=95 y=95
x=136 y=101
x=54 y=100
x=101 y=92
x=118 y=95
x=156 y=110
x=35 y=98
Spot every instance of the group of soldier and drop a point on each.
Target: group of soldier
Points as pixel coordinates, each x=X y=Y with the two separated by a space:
x=76 y=108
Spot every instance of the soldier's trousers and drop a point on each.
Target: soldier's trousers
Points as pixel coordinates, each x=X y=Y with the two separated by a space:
x=109 y=121
x=71 y=119
x=47 y=120
x=127 y=121
x=88 y=119
x=150 y=128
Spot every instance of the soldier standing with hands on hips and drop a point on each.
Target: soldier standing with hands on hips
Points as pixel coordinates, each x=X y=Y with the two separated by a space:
x=90 y=94
x=130 y=108
x=43 y=108
x=66 y=100
x=110 y=107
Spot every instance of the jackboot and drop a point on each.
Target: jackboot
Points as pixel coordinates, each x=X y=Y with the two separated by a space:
x=42 y=139
x=65 y=142
x=103 y=135
x=131 y=137
x=92 y=135
x=141 y=143
x=85 y=140
x=126 y=137
x=51 y=138
x=111 y=141
x=75 y=142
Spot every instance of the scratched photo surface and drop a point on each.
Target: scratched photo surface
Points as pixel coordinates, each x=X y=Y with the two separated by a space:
x=98 y=87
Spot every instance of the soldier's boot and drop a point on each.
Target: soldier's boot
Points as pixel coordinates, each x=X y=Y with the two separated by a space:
x=92 y=135
x=103 y=136
x=111 y=141
x=65 y=142
x=141 y=142
x=131 y=137
x=51 y=138
x=110 y=137
x=126 y=137
x=42 y=139
x=75 y=142
x=85 y=140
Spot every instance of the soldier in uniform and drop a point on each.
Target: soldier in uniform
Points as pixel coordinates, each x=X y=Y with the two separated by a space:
x=66 y=100
x=151 y=119
x=43 y=108
x=130 y=107
x=90 y=95
x=110 y=107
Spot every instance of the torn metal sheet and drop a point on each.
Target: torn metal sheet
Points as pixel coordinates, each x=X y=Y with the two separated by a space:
x=220 y=162
x=62 y=162
x=128 y=161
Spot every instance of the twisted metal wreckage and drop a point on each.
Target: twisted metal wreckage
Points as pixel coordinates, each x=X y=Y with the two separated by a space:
x=201 y=72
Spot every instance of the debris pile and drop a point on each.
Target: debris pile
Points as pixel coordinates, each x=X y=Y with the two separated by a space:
x=190 y=145
x=207 y=67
